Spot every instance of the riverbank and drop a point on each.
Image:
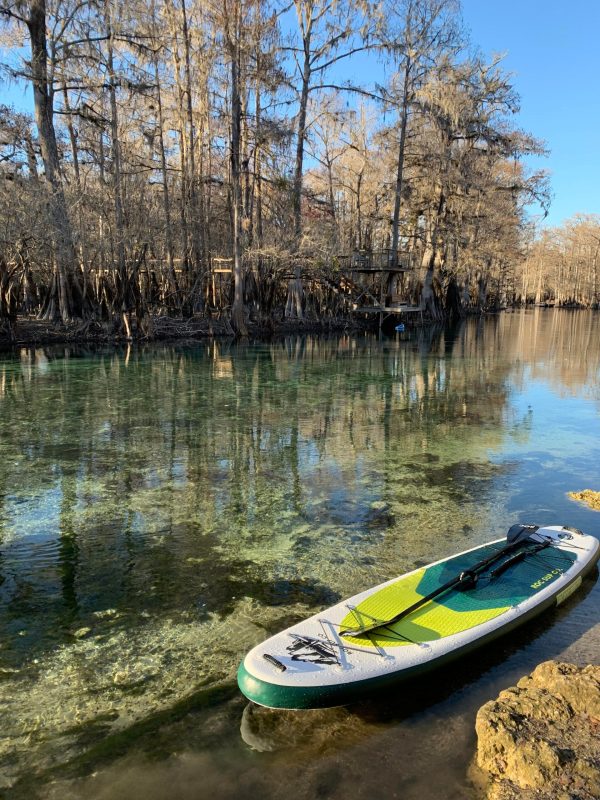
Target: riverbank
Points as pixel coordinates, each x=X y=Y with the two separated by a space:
x=32 y=332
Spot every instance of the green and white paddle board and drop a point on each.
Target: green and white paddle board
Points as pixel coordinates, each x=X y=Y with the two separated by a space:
x=354 y=647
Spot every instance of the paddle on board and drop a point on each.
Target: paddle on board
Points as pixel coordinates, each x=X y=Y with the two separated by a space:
x=517 y=536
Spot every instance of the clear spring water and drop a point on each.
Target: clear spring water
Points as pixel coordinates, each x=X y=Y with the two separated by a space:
x=163 y=509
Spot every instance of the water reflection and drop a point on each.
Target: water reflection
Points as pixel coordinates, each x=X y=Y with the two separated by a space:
x=163 y=508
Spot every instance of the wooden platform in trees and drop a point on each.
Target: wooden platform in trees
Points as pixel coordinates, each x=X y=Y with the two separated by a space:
x=367 y=285
x=366 y=282
x=373 y=261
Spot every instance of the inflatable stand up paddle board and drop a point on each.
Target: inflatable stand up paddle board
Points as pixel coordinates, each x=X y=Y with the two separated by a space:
x=416 y=622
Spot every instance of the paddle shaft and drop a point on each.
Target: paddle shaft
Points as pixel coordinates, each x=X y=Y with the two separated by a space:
x=466 y=576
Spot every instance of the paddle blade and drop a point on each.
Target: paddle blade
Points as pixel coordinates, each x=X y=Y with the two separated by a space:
x=519 y=532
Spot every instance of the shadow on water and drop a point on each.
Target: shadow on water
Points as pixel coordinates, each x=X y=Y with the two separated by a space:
x=100 y=745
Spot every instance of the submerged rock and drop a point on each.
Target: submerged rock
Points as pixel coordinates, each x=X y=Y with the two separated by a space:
x=541 y=738
x=587 y=496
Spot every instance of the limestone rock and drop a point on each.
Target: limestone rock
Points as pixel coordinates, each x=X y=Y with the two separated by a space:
x=541 y=738
x=587 y=496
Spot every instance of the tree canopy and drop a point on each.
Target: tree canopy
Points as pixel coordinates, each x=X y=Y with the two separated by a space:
x=170 y=137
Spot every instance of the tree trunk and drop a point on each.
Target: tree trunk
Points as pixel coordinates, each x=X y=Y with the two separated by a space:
x=238 y=320
x=359 y=180
x=293 y=306
x=428 y=302
x=43 y=98
x=31 y=160
x=72 y=135
x=258 y=203
x=182 y=130
x=297 y=190
x=197 y=245
x=165 y=184
x=116 y=164
x=400 y=169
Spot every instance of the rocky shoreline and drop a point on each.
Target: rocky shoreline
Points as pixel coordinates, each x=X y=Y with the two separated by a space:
x=540 y=739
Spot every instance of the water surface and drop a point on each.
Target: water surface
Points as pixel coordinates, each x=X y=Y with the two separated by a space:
x=163 y=509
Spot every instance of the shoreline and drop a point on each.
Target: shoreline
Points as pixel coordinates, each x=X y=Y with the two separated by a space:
x=31 y=332
x=37 y=333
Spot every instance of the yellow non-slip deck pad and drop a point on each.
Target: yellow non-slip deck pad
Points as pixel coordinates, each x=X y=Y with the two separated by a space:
x=454 y=611
x=432 y=621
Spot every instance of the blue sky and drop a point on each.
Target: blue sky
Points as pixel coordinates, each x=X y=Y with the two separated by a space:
x=552 y=49
x=553 y=52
